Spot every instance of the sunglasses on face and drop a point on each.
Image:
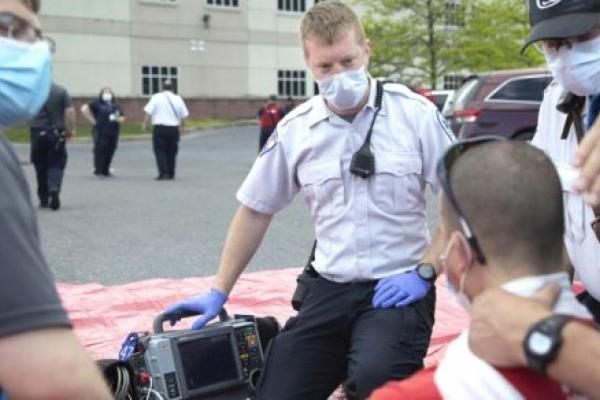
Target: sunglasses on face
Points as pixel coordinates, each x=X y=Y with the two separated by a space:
x=444 y=168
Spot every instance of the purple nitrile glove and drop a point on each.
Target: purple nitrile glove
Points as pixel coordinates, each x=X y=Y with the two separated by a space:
x=209 y=305
x=400 y=290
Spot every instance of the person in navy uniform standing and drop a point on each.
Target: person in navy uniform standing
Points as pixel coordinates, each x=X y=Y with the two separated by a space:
x=106 y=117
x=50 y=129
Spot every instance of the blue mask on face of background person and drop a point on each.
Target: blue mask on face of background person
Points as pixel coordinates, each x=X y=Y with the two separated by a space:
x=25 y=79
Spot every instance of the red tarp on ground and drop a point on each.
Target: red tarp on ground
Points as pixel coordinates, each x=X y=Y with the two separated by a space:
x=104 y=315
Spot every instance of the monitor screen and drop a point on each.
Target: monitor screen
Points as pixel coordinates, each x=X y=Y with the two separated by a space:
x=208 y=361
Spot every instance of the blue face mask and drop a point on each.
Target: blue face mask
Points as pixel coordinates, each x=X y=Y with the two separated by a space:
x=25 y=79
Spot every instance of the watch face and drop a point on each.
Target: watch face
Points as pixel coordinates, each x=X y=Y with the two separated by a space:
x=539 y=343
x=426 y=271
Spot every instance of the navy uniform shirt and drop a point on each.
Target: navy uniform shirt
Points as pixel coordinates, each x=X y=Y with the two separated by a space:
x=52 y=113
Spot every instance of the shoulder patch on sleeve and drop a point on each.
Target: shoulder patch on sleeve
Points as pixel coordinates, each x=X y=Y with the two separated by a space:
x=296 y=112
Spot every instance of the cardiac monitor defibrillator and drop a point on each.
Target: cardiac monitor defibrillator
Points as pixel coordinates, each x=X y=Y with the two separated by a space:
x=220 y=361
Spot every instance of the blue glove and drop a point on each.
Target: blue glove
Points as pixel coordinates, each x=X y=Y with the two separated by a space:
x=209 y=305
x=400 y=290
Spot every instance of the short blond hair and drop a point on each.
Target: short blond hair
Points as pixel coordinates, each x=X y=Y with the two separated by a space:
x=328 y=21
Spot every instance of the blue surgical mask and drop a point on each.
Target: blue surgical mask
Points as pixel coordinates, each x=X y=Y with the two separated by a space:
x=25 y=79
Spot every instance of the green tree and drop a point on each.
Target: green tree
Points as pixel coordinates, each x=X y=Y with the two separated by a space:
x=407 y=33
x=437 y=37
x=492 y=38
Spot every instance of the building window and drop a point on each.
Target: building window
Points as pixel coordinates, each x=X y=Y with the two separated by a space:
x=223 y=3
x=452 y=82
x=167 y=2
x=291 y=83
x=153 y=77
x=291 y=5
x=455 y=14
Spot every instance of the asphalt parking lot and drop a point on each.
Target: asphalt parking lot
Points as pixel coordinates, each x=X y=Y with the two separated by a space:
x=131 y=227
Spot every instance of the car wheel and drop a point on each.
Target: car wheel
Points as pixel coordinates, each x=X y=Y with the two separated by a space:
x=524 y=136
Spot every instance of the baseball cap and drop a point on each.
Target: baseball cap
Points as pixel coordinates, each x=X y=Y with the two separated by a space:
x=554 y=19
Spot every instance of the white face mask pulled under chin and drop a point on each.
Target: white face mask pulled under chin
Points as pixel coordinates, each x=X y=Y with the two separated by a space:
x=458 y=294
x=346 y=89
x=577 y=69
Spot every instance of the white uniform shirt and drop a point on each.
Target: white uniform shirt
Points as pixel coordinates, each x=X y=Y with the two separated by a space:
x=580 y=240
x=366 y=228
x=164 y=112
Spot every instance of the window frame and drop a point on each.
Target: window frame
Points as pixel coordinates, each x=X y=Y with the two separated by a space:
x=454 y=14
x=456 y=80
x=290 y=81
x=489 y=98
x=172 y=74
x=223 y=6
x=300 y=11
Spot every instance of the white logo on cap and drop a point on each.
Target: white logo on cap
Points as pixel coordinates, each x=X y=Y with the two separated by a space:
x=542 y=4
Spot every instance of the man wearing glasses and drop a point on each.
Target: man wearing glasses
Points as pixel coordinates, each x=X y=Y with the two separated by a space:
x=40 y=357
x=498 y=234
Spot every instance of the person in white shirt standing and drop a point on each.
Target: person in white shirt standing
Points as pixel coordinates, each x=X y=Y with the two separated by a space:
x=362 y=154
x=569 y=35
x=168 y=113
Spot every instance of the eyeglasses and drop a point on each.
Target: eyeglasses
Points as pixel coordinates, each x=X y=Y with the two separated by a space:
x=17 y=28
x=444 y=167
x=554 y=45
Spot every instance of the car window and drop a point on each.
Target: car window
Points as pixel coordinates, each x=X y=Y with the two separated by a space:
x=465 y=93
x=522 y=89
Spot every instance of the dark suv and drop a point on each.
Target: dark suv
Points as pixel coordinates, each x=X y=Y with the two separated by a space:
x=502 y=103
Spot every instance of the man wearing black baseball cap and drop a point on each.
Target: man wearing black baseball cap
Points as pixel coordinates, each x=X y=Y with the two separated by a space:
x=568 y=32
x=554 y=19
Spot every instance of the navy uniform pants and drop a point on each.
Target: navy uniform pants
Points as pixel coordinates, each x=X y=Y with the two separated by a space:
x=49 y=157
x=338 y=337
x=165 y=143
x=265 y=134
x=104 y=150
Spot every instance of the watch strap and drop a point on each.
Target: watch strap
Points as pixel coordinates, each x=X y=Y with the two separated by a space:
x=550 y=327
x=427 y=265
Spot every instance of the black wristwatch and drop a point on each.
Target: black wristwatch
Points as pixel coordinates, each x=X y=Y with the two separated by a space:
x=427 y=272
x=543 y=341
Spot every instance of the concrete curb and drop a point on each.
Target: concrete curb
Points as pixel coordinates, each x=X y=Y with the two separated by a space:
x=148 y=136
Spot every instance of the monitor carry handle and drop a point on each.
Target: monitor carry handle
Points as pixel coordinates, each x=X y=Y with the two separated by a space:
x=157 y=324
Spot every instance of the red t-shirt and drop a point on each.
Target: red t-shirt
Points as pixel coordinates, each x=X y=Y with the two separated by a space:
x=422 y=386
